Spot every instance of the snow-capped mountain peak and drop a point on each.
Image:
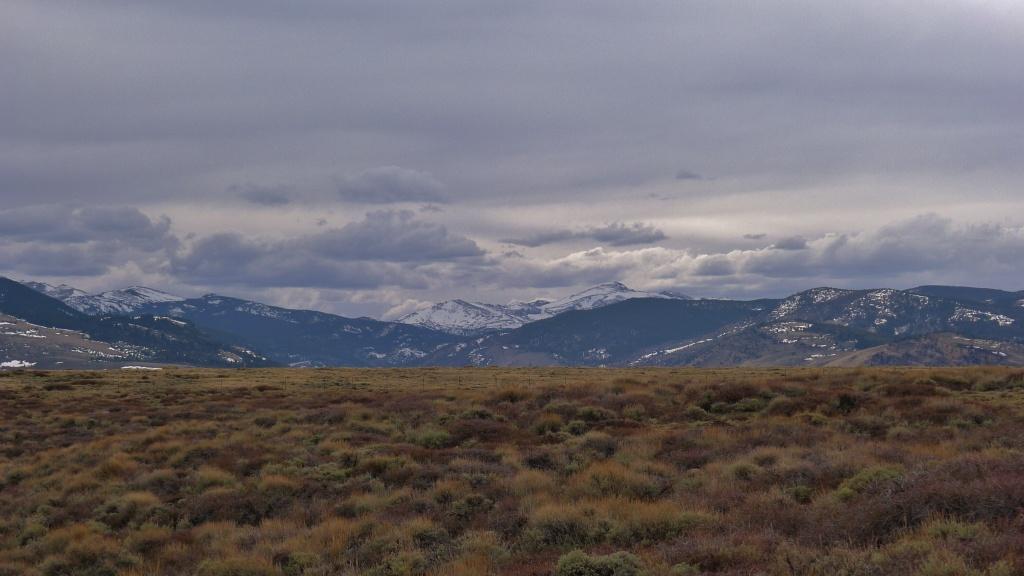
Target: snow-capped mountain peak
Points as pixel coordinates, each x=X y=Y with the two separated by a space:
x=461 y=317
x=465 y=318
x=62 y=292
x=598 y=296
x=122 y=301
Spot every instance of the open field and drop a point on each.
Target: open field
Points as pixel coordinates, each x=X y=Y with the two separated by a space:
x=500 y=471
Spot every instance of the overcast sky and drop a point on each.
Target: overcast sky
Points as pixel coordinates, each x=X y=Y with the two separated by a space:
x=366 y=157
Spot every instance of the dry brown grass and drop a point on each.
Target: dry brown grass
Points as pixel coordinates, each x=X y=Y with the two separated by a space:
x=498 y=471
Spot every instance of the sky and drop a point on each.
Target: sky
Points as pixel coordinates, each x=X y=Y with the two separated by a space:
x=370 y=157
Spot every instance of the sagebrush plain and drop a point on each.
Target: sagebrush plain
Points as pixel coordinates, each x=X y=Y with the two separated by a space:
x=573 y=472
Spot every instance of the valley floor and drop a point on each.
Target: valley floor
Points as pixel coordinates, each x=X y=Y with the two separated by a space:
x=573 y=472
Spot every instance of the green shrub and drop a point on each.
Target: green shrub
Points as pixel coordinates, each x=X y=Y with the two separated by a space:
x=565 y=531
x=432 y=438
x=650 y=529
x=867 y=479
x=595 y=414
x=802 y=494
x=576 y=427
x=133 y=508
x=298 y=563
x=635 y=412
x=578 y=563
x=744 y=471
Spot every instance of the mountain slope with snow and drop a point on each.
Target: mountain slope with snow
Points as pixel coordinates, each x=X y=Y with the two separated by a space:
x=305 y=337
x=45 y=331
x=469 y=318
x=62 y=292
x=464 y=318
x=603 y=295
x=123 y=301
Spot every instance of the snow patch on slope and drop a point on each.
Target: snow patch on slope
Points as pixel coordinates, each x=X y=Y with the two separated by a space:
x=969 y=315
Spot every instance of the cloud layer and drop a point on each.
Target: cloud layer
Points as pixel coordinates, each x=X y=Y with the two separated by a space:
x=722 y=147
x=391 y=184
x=395 y=253
x=67 y=241
x=614 y=234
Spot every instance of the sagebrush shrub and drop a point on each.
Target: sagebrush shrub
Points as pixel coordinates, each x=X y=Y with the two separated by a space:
x=576 y=563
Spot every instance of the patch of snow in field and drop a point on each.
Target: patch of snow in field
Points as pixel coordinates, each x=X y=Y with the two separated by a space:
x=25 y=334
x=140 y=368
x=17 y=364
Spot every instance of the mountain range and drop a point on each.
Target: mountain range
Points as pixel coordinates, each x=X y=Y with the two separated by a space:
x=606 y=325
x=39 y=330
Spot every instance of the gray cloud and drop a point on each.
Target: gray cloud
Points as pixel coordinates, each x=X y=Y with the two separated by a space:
x=687 y=175
x=386 y=248
x=229 y=259
x=390 y=184
x=790 y=243
x=390 y=235
x=66 y=223
x=55 y=260
x=263 y=195
x=80 y=241
x=614 y=234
